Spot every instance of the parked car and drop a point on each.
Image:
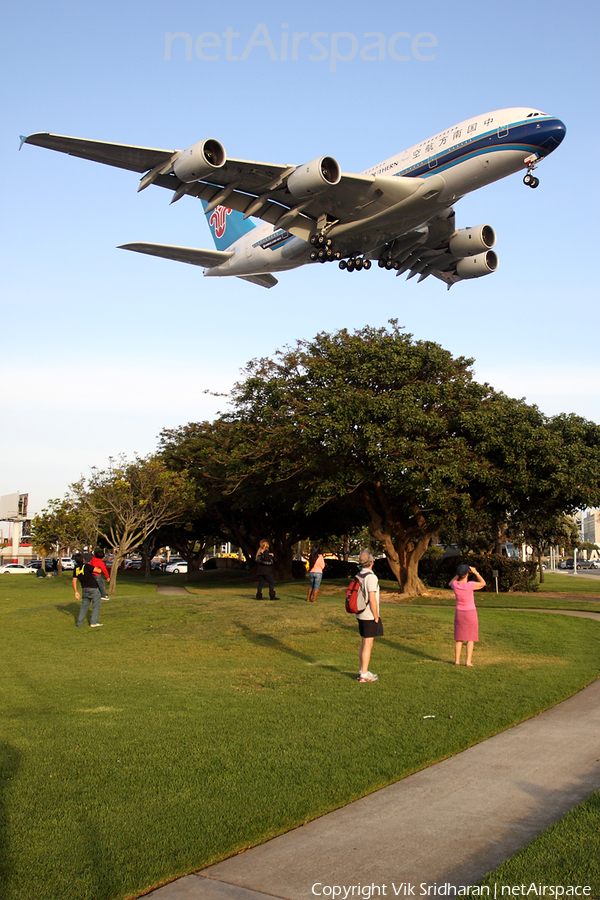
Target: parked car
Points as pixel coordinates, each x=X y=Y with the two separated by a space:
x=34 y=564
x=133 y=564
x=177 y=567
x=16 y=569
x=581 y=563
x=67 y=562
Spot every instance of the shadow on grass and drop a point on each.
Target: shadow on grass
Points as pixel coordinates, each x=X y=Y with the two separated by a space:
x=273 y=643
x=401 y=648
x=70 y=609
x=9 y=765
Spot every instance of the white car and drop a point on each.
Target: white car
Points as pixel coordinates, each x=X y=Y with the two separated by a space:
x=176 y=568
x=67 y=562
x=16 y=569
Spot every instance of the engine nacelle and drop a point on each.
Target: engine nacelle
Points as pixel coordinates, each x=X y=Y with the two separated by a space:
x=476 y=266
x=471 y=241
x=314 y=177
x=199 y=160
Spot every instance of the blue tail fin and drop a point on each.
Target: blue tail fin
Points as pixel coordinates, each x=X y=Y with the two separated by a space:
x=227 y=226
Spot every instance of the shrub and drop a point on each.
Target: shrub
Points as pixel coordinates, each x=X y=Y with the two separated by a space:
x=513 y=575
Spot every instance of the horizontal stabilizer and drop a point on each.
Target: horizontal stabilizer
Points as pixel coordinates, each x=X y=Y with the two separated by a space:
x=191 y=255
x=267 y=280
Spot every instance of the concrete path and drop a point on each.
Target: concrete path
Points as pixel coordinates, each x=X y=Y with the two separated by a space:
x=171 y=589
x=452 y=822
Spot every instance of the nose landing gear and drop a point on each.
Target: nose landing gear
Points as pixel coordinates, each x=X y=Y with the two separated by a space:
x=530 y=180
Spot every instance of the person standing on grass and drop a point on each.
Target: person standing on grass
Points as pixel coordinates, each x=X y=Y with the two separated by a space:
x=370 y=625
x=264 y=570
x=466 y=624
x=86 y=574
x=316 y=564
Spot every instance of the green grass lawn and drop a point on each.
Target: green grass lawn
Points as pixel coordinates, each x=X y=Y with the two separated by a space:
x=191 y=727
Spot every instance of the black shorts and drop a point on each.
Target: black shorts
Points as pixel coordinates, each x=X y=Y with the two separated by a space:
x=370 y=628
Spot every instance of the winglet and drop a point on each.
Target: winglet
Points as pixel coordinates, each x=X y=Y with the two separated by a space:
x=23 y=138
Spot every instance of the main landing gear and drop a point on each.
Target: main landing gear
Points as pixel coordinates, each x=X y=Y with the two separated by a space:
x=388 y=263
x=323 y=251
x=355 y=263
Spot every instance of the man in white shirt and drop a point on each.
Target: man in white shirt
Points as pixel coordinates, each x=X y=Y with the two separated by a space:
x=369 y=623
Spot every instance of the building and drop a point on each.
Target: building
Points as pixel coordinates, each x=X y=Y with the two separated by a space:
x=591 y=526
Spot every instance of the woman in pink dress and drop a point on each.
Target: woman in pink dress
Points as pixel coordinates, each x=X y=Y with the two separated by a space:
x=466 y=625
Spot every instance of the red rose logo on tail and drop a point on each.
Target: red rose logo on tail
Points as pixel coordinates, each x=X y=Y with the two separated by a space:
x=219 y=220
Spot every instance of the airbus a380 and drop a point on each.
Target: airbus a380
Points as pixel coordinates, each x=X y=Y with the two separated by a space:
x=399 y=212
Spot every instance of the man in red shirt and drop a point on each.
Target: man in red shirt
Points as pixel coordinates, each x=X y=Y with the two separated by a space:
x=98 y=562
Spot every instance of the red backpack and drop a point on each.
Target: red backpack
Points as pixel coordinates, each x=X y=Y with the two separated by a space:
x=355 y=595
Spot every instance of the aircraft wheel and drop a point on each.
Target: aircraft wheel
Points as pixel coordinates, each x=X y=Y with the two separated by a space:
x=381 y=263
x=528 y=179
x=350 y=265
x=367 y=264
x=359 y=265
x=343 y=264
x=337 y=255
x=389 y=264
x=322 y=254
x=314 y=239
x=534 y=182
x=314 y=254
x=397 y=266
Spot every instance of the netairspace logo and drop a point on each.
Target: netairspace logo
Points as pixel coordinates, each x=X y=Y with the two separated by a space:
x=337 y=47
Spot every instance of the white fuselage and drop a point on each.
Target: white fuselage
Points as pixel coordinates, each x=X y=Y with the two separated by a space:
x=467 y=156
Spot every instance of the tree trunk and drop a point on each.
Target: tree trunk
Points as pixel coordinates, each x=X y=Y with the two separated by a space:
x=345 y=547
x=500 y=530
x=112 y=581
x=284 y=555
x=403 y=548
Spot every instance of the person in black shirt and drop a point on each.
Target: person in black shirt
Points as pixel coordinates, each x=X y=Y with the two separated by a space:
x=264 y=569
x=86 y=574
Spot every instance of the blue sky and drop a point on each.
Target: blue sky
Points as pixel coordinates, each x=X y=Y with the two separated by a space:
x=101 y=349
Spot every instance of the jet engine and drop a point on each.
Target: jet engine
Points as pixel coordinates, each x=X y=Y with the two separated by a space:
x=471 y=241
x=314 y=177
x=476 y=266
x=199 y=160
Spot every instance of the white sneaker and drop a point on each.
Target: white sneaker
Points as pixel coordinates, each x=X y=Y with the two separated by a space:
x=367 y=676
x=97 y=625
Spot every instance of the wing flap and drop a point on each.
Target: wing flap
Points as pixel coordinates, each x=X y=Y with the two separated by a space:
x=192 y=255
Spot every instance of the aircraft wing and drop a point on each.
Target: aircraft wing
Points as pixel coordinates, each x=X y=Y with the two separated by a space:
x=425 y=251
x=191 y=255
x=124 y=156
x=261 y=189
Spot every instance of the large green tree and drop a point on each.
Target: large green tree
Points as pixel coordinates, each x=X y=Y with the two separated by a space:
x=404 y=427
x=250 y=488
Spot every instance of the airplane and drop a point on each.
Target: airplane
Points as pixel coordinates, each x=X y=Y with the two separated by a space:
x=399 y=212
